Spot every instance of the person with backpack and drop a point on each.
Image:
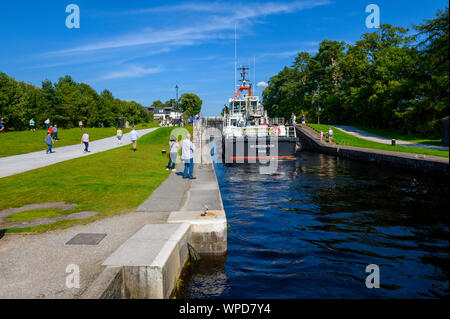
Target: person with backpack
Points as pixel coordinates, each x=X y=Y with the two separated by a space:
x=173 y=153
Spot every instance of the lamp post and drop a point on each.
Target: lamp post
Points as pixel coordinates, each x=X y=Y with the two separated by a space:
x=318 y=107
x=177 y=94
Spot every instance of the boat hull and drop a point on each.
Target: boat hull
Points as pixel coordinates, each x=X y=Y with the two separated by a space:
x=256 y=150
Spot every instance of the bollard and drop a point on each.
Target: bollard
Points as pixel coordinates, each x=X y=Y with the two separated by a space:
x=393 y=142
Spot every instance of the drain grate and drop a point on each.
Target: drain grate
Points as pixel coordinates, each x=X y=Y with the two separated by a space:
x=86 y=239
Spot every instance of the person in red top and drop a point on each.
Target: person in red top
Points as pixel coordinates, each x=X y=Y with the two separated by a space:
x=50 y=130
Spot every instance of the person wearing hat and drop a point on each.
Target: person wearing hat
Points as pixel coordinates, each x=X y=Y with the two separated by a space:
x=173 y=153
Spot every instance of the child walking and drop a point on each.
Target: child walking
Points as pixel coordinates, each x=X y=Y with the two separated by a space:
x=119 y=136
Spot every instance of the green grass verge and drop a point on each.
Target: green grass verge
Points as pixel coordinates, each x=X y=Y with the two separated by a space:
x=22 y=142
x=393 y=134
x=110 y=183
x=341 y=138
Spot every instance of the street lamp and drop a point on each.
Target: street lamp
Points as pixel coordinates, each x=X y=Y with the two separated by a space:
x=177 y=94
x=318 y=107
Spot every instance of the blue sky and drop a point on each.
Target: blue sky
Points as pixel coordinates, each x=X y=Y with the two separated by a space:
x=140 y=50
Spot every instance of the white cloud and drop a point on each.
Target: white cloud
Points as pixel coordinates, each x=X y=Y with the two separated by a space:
x=210 y=27
x=130 y=72
x=262 y=84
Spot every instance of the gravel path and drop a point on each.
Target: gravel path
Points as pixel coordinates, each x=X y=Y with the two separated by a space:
x=375 y=138
x=21 y=163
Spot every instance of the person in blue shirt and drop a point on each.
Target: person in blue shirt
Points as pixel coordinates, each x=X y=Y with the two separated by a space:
x=2 y=126
x=49 y=141
x=55 y=133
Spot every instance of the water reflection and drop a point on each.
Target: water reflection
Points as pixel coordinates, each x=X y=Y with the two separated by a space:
x=310 y=230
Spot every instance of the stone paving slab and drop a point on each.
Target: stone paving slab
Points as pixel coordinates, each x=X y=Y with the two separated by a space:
x=144 y=247
x=61 y=205
x=46 y=221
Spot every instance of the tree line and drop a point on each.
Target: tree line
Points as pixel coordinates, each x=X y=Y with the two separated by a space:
x=65 y=102
x=390 y=78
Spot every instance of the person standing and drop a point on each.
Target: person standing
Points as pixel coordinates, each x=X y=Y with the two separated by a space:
x=321 y=135
x=55 y=133
x=47 y=123
x=134 y=136
x=187 y=156
x=119 y=135
x=32 y=125
x=173 y=153
x=303 y=119
x=80 y=124
x=294 y=119
x=330 y=135
x=49 y=141
x=85 y=141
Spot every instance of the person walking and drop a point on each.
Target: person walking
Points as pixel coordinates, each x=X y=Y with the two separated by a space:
x=85 y=141
x=173 y=153
x=32 y=125
x=134 y=136
x=187 y=156
x=294 y=118
x=50 y=130
x=49 y=141
x=55 y=133
x=80 y=125
x=303 y=119
x=321 y=135
x=2 y=126
x=330 y=135
x=47 y=123
x=119 y=136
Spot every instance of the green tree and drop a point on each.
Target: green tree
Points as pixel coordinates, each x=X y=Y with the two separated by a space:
x=191 y=104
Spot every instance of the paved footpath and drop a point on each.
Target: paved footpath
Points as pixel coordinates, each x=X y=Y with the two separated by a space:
x=21 y=163
x=375 y=138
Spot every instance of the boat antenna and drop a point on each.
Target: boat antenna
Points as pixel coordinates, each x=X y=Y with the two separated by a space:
x=235 y=58
x=254 y=74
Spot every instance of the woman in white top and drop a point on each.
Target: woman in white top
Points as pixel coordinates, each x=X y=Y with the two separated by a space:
x=173 y=153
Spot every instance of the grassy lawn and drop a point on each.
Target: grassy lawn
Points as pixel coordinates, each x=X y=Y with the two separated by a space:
x=22 y=142
x=112 y=182
x=342 y=138
x=392 y=134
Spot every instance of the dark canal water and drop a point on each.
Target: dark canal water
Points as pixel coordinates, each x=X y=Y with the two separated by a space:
x=310 y=230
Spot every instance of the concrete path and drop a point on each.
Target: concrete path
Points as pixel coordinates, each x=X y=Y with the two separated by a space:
x=34 y=266
x=21 y=163
x=375 y=138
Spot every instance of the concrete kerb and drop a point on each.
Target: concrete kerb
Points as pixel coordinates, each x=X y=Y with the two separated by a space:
x=151 y=262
